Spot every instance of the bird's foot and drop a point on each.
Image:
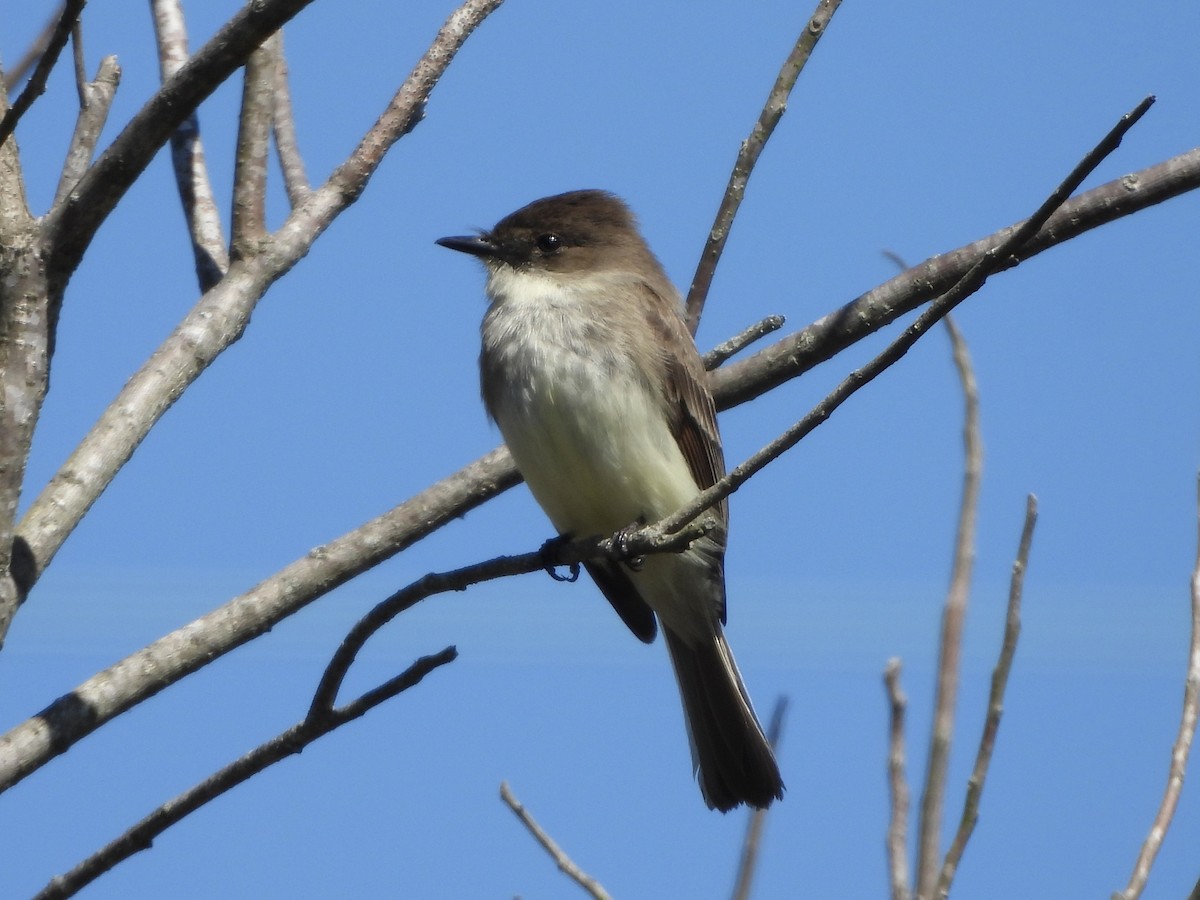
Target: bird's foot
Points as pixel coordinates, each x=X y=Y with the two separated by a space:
x=549 y=553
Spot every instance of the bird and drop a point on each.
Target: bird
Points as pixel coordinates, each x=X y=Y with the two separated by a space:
x=589 y=370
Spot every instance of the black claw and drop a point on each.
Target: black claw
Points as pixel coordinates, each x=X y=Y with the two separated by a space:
x=549 y=553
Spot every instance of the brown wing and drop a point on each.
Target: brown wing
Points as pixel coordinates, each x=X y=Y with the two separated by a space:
x=693 y=418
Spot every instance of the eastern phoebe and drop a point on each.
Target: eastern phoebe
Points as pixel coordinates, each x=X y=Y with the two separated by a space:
x=594 y=380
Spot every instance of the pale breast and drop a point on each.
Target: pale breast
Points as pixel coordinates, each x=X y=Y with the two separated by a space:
x=585 y=428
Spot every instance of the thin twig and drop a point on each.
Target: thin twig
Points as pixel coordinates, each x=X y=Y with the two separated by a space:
x=988 y=263
x=35 y=51
x=564 y=862
x=250 y=160
x=36 y=85
x=751 y=149
x=69 y=229
x=220 y=316
x=995 y=708
x=93 y=113
x=187 y=154
x=287 y=743
x=291 y=163
x=897 y=832
x=739 y=342
x=748 y=863
x=791 y=356
x=933 y=796
x=1179 y=751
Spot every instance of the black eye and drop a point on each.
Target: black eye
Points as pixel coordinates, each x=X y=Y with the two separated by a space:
x=548 y=243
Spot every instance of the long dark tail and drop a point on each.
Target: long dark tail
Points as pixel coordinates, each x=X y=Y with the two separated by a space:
x=731 y=755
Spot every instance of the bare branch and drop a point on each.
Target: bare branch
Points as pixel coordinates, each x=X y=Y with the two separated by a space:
x=747 y=158
x=34 y=51
x=107 y=694
x=36 y=85
x=897 y=832
x=81 y=79
x=187 y=154
x=1179 y=751
x=223 y=312
x=987 y=741
x=618 y=548
x=933 y=796
x=253 y=140
x=719 y=354
x=323 y=715
x=97 y=97
x=991 y=261
x=564 y=863
x=822 y=340
x=291 y=163
x=288 y=743
x=70 y=228
x=748 y=863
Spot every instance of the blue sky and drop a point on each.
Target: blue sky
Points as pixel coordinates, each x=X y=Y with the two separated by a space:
x=915 y=129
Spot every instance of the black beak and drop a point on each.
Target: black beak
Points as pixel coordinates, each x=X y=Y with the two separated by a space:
x=474 y=244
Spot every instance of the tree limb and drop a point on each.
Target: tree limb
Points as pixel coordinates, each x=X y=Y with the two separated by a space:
x=108 y=693
x=27 y=60
x=725 y=350
x=221 y=315
x=822 y=340
x=70 y=227
x=288 y=743
x=250 y=160
x=96 y=101
x=187 y=154
x=564 y=862
x=933 y=798
x=748 y=156
x=36 y=85
x=291 y=163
